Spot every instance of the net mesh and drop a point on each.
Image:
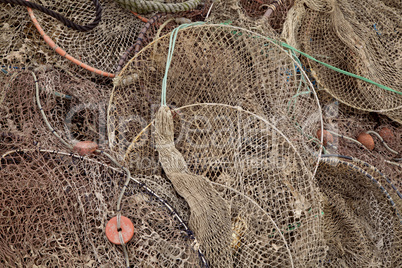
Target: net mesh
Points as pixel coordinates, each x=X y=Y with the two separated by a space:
x=361 y=227
x=100 y=48
x=346 y=124
x=228 y=147
x=54 y=208
x=363 y=38
x=74 y=106
x=252 y=14
x=216 y=64
x=20 y=45
x=235 y=175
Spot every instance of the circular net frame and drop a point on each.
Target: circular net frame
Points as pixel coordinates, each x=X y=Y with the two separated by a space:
x=217 y=64
x=54 y=209
x=347 y=123
x=361 y=226
x=363 y=38
x=252 y=165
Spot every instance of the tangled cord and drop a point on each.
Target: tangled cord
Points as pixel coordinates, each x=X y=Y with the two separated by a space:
x=58 y=16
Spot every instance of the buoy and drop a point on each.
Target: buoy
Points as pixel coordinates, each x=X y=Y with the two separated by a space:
x=127 y=230
x=386 y=134
x=366 y=140
x=85 y=147
x=327 y=137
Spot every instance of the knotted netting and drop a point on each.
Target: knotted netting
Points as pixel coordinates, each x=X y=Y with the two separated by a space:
x=216 y=64
x=234 y=168
x=74 y=107
x=19 y=42
x=361 y=37
x=220 y=136
x=257 y=15
x=97 y=50
x=54 y=208
x=362 y=226
x=346 y=125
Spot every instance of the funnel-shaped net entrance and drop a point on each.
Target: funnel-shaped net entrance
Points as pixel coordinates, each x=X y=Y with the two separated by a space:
x=222 y=155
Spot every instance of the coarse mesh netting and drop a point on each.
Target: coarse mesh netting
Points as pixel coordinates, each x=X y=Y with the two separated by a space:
x=75 y=108
x=225 y=146
x=361 y=37
x=346 y=124
x=100 y=48
x=361 y=227
x=54 y=208
x=217 y=64
x=19 y=40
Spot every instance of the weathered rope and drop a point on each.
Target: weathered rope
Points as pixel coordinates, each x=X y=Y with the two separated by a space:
x=140 y=39
x=58 y=16
x=145 y=6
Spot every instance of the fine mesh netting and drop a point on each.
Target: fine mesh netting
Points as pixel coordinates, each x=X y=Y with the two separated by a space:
x=225 y=146
x=100 y=48
x=74 y=106
x=361 y=37
x=361 y=226
x=19 y=40
x=216 y=64
x=267 y=16
x=54 y=208
x=211 y=140
x=345 y=124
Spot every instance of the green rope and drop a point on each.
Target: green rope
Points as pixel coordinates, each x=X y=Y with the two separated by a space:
x=283 y=44
x=172 y=43
x=335 y=68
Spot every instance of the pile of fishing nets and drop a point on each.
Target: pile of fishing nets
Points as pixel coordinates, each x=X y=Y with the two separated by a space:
x=268 y=137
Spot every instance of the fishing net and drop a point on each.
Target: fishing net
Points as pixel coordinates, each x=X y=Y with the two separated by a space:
x=97 y=50
x=19 y=41
x=55 y=206
x=257 y=15
x=345 y=124
x=361 y=226
x=361 y=37
x=222 y=159
x=74 y=106
x=217 y=64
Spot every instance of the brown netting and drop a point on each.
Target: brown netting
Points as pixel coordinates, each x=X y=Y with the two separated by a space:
x=224 y=146
x=20 y=43
x=74 y=106
x=54 y=208
x=253 y=14
x=346 y=124
x=216 y=64
x=100 y=48
x=361 y=226
x=361 y=37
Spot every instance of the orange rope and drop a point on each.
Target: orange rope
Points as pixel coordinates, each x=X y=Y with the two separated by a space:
x=140 y=17
x=62 y=52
